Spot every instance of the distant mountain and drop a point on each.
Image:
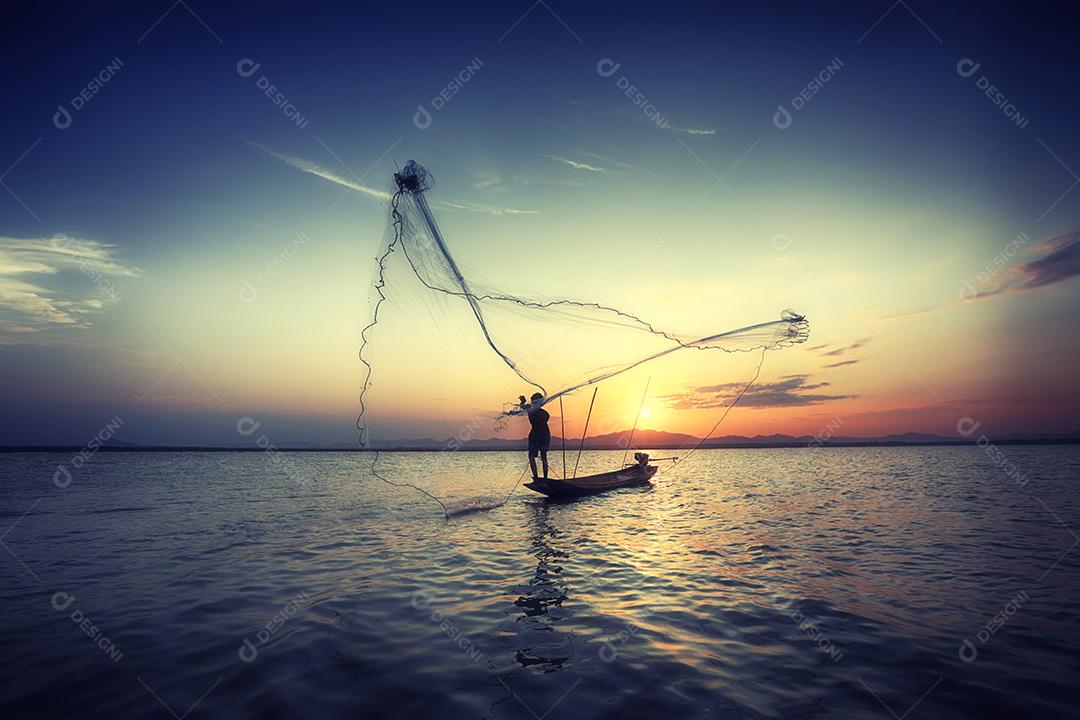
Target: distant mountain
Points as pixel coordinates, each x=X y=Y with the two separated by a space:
x=661 y=440
x=642 y=439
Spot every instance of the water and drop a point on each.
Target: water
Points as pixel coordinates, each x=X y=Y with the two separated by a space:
x=836 y=583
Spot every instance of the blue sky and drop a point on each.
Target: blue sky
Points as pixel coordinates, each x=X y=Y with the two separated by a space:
x=129 y=235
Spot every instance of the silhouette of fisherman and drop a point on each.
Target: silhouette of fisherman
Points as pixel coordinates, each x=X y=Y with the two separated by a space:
x=539 y=434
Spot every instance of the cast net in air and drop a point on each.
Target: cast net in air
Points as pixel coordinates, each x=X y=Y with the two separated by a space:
x=555 y=346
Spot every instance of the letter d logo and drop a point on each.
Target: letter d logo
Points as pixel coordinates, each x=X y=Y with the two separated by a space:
x=248 y=652
x=967 y=67
x=62 y=118
x=782 y=118
x=62 y=600
x=781 y=241
x=607 y=67
x=61 y=478
x=968 y=291
x=247 y=67
x=422 y=118
x=246 y=426
x=966 y=426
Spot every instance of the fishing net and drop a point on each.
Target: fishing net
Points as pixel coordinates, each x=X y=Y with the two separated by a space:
x=555 y=346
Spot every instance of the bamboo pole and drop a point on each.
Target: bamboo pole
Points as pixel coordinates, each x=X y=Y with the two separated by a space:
x=562 y=420
x=587 y=417
x=634 y=429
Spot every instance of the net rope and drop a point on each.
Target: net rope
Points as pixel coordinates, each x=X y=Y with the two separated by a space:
x=415 y=231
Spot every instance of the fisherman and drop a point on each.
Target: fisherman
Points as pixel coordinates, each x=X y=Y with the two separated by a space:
x=539 y=435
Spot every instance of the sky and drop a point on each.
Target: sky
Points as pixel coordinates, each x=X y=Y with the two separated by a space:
x=193 y=196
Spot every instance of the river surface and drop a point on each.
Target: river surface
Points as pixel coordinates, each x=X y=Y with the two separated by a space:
x=794 y=583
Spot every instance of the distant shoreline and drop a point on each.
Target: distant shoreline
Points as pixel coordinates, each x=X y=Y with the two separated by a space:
x=522 y=448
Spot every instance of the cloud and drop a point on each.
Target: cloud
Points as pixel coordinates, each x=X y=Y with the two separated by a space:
x=577 y=165
x=572 y=101
x=844 y=349
x=494 y=182
x=694 y=131
x=53 y=282
x=606 y=159
x=909 y=315
x=319 y=171
x=789 y=391
x=1060 y=261
x=622 y=113
x=841 y=363
x=595 y=163
x=473 y=207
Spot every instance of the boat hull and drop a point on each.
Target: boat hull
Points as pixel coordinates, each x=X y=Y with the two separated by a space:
x=593 y=484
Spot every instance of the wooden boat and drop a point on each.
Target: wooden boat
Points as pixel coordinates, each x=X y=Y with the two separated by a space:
x=638 y=474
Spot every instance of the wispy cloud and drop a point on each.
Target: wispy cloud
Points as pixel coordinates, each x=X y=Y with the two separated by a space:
x=909 y=315
x=576 y=103
x=789 y=391
x=842 y=363
x=473 y=207
x=638 y=116
x=59 y=281
x=606 y=159
x=494 y=182
x=1059 y=261
x=577 y=165
x=694 y=131
x=319 y=171
x=844 y=349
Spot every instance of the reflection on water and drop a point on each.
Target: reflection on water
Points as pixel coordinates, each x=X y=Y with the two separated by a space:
x=544 y=595
x=843 y=583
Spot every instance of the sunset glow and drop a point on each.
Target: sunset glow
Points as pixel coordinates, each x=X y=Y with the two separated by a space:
x=186 y=274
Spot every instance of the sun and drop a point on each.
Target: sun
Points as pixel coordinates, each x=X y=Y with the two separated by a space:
x=645 y=412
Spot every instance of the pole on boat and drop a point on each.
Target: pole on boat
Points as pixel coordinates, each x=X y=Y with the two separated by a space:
x=633 y=429
x=562 y=420
x=582 y=445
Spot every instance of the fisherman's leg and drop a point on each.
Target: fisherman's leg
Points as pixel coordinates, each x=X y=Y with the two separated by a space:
x=532 y=462
x=543 y=457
